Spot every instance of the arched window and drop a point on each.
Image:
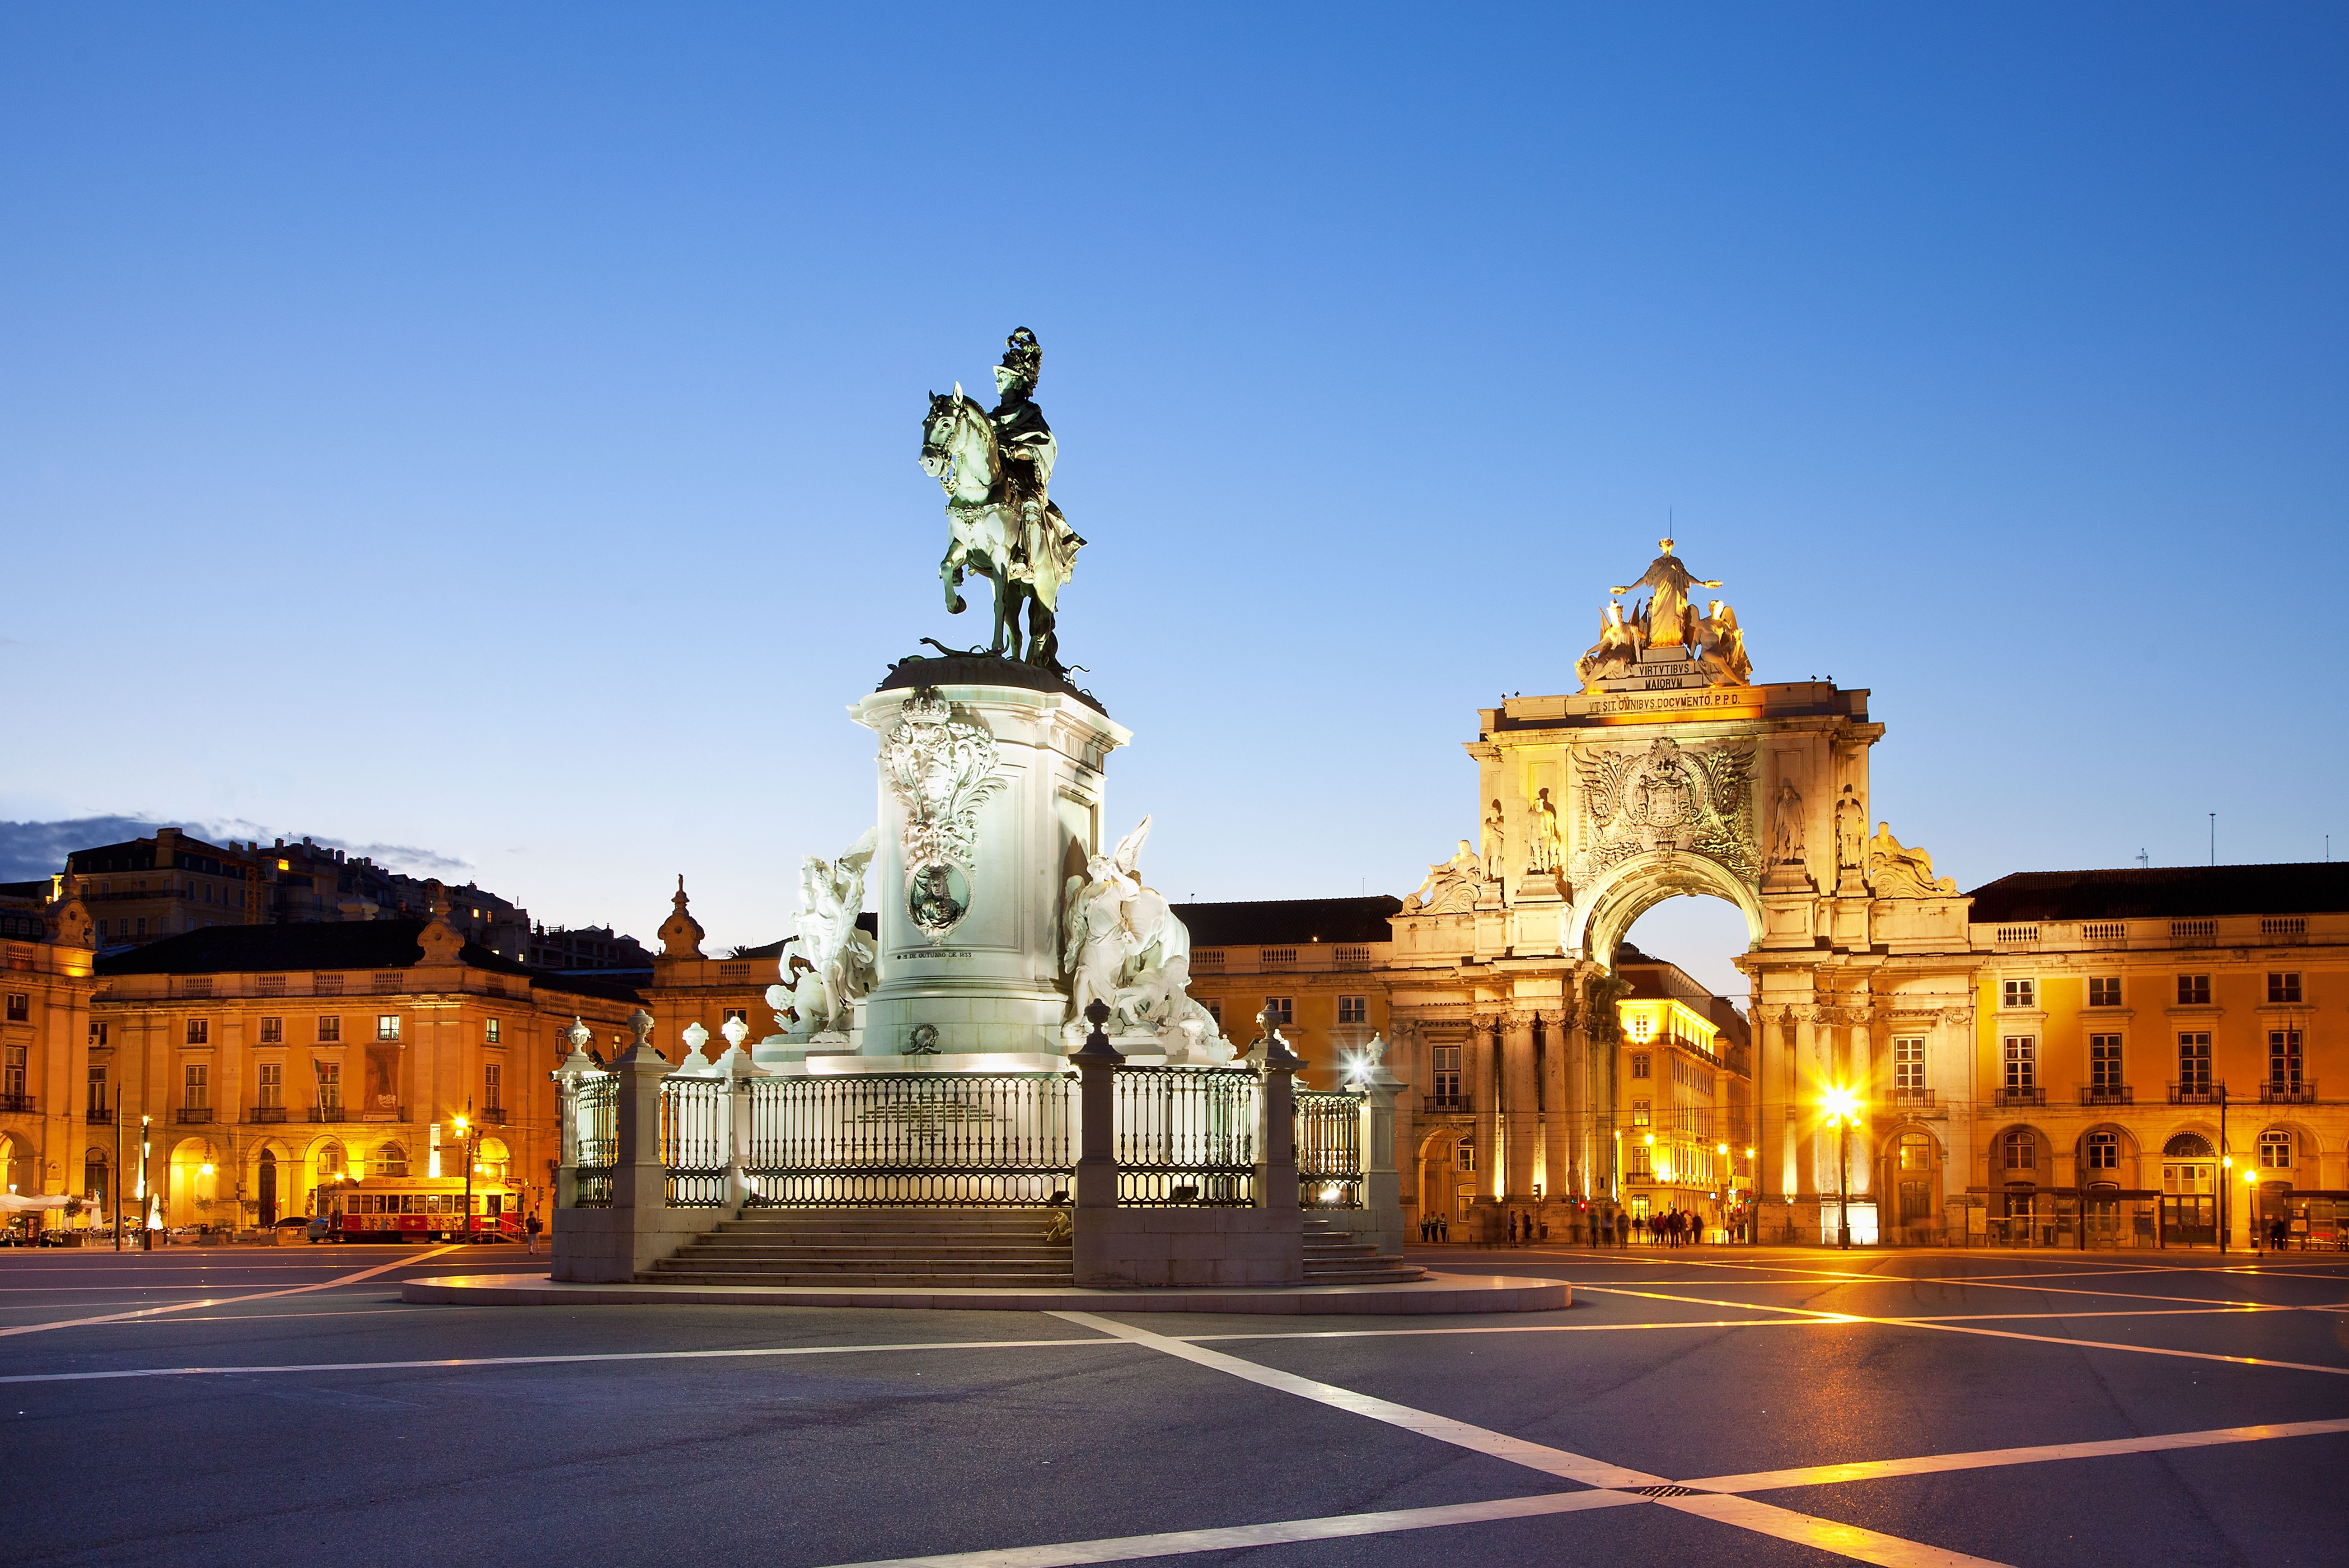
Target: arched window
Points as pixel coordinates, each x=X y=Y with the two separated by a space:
x=1916 y=1151
x=93 y=1181
x=2104 y=1150
x=390 y=1159
x=1466 y=1158
x=330 y=1161
x=2021 y=1150
x=2188 y=1145
x=2275 y=1149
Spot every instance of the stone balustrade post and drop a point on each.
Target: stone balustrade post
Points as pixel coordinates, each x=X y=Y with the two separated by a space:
x=638 y=1180
x=736 y=1068
x=1381 y=1184
x=575 y=1067
x=1097 y=1063
x=1276 y=1169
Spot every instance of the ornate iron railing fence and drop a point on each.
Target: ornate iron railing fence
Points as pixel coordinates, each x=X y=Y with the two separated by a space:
x=595 y=1103
x=912 y=1140
x=693 y=1142
x=1186 y=1136
x=1328 y=1149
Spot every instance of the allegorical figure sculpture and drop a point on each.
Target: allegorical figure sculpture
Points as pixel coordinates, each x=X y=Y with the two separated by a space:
x=1902 y=871
x=1851 y=843
x=1670 y=617
x=839 y=955
x=1496 y=839
x=1786 y=826
x=1617 y=650
x=1723 y=651
x=1451 y=886
x=1123 y=945
x=997 y=468
x=1657 y=634
x=1544 y=853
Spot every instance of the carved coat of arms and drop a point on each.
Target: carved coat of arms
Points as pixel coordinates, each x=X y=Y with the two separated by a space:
x=1660 y=797
x=942 y=769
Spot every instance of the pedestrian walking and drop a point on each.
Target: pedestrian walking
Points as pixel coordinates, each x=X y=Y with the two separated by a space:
x=530 y=1229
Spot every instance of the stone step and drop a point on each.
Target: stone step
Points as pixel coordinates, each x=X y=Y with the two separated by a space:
x=923 y=1268
x=893 y=1261
x=894 y=1281
x=761 y=1247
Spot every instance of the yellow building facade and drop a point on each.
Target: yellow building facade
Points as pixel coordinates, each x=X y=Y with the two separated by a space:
x=231 y=1072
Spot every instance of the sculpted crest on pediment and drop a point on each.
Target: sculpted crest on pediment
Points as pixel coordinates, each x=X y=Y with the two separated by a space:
x=1662 y=796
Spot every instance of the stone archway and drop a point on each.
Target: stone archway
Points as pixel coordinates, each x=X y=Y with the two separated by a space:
x=1594 y=925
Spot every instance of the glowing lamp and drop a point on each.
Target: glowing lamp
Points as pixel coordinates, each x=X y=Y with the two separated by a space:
x=205 y=1168
x=1841 y=1105
x=2250 y=1178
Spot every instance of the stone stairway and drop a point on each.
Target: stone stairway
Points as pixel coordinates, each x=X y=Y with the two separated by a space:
x=1333 y=1256
x=921 y=1248
x=903 y=1248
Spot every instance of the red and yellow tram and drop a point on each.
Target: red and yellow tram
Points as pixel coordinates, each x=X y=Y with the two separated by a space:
x=422 y=1209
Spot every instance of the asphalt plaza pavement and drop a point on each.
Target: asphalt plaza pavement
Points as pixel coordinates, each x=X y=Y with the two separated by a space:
x=1699 y=1406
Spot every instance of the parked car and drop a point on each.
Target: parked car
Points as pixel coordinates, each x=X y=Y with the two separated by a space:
x=293 y=1223
x=321 y=1229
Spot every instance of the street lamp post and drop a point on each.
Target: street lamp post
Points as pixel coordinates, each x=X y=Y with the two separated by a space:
x=1728 y=1187
x=463 y=1124
x=146 y=1142
x=2251 y=1208
x=1843 y=1107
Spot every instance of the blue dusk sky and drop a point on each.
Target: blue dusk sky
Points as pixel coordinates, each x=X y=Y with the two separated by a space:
x=492 y=432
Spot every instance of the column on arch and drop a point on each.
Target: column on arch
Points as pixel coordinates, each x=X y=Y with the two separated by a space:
x=1859 y=1074
x=1480 y=1074
x=1801 y=1082
x=1560 y=1177
x=1520 y=1127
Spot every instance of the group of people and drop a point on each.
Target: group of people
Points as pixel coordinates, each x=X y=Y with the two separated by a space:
x=1672 y=1228
x=1613 y=1228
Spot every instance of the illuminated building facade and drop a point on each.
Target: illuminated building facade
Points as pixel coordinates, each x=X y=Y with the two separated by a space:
x=1683 y=1070
x=270 y=1059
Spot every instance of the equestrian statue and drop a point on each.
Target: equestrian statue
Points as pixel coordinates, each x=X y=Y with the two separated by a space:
x=997 y=468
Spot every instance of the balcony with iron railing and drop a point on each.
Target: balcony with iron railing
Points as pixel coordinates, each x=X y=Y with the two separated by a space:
x=18 y=1102
x=266 y=1114
x=2107 y=1094
x=2017 y=1095
x=1913 y=1098
x=2198 y=1094
x=2286 y=1091
x=193 y=1115
x=328 y=1113
x=1433 y=1104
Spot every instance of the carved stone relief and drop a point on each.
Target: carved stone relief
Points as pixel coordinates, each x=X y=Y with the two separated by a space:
x=942 y=769
x=1636 y=799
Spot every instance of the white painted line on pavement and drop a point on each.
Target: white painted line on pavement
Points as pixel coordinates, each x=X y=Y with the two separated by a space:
x=1826 y=1536
x=1986 y=1458
x=454 y=1362
x=226 y=1300
x=1946 y=1328
x=1240 y=1537
x=1442 y=1429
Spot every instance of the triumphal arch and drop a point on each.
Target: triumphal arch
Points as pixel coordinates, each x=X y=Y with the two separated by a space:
x=1671 y=772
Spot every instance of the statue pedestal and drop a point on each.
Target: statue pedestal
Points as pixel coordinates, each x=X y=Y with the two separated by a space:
x=1001 y=763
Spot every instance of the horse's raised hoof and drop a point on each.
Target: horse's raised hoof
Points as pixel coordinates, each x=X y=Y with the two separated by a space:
x=954 y=606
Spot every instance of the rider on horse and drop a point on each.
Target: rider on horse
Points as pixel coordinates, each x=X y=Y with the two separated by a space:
x=1025 y=445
